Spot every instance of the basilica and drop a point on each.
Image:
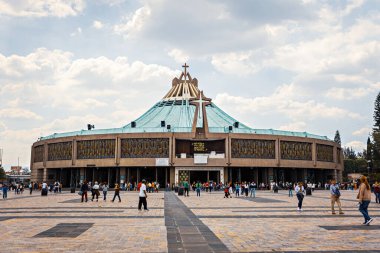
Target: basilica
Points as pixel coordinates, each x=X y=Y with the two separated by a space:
x=185 y=136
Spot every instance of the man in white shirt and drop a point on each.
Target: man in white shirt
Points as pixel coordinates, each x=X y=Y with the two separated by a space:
x=44 y=190
x=143 y=196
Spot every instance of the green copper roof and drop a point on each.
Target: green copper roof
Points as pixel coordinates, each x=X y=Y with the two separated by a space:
x=180 y=115
x=178 y=109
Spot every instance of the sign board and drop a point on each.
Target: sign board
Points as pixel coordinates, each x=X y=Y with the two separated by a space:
x=162 y=161
x=200 y=158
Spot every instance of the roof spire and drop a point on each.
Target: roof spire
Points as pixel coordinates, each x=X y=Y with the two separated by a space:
x=185 y=67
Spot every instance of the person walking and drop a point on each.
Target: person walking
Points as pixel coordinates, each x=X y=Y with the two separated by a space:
x=227 y=191
x=186 y=188
x=364 y=197
x=143 y=196
x=44 y=190
x=5 y=191
x=117 y=193
x=198 y=186
x=290 y=187
x=105 y=190
x=31 y=188
x=84 y=190
x=335 y=197
x=376 y=191
x=237 y=192
x=95 y=190
x=252 y=188
x=300 y=195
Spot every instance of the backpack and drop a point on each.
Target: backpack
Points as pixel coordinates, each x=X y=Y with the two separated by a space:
x=336 y=192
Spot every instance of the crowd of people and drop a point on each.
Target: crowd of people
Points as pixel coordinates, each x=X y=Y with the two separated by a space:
x=95 y=189
x=239 y=189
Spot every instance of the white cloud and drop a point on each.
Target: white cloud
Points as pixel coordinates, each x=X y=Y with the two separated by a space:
x=18 y=113
x=105 y=92
x=282 y=102
x=362 y=131
x=77 y=32
x=135 y=23
x=42 y=8
x=97 y=24
x=352 y=5
x=356 y=145
x=294 y=126
x=236 y=63
x=178 y=55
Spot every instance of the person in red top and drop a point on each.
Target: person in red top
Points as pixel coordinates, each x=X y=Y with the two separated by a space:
x=376 y=191
x=138 y=186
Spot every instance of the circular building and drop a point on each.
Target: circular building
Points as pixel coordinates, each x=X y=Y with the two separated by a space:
x=185 y=135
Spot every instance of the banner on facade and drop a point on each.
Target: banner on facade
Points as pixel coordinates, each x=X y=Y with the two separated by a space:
x=200 y=158
x=162 y=161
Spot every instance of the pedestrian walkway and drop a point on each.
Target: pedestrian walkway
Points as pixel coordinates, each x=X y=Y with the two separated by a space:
x=60 y=223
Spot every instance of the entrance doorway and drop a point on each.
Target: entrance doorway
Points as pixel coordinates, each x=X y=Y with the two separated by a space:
x=148 y=173
x=196 y=176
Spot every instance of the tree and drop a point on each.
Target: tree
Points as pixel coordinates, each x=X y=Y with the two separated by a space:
x=376 y=149
x=349 y=153
x=25 y=171
x=376 y=134
x=369 y=152
x=376 y=114
x=337 y=137
x=2 y=173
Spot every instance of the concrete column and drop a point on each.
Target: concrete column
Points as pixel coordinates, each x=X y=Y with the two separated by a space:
x=117 y=151
x=222 y=175
x=128 y=174
x=256 y=175
x=82 y=175
x=270 y=174
x=304 y=175
x=123 y=175
x=294 y=176
x=45 y=158
x=278 y=152
x=45 y=175
x=172 y=176
x=74 y=152
x=176 y=176
x=314 y=153
x=226 y=175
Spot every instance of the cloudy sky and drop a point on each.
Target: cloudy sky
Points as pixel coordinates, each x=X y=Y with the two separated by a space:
x=293 y=65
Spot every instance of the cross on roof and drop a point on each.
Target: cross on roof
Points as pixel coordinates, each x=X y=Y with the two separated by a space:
x=185 y=67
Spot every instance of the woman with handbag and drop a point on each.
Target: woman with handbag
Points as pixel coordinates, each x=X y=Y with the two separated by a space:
x=300 y=195
x=364 y=197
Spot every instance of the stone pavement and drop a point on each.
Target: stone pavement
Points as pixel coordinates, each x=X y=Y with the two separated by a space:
x=210 y=223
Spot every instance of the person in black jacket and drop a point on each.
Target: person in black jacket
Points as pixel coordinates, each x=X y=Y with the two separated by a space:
x=84 y=189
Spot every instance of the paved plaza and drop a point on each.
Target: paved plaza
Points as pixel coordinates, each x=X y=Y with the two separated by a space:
x=210 y=223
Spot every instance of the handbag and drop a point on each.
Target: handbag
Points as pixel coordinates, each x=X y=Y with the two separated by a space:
x=80 y=193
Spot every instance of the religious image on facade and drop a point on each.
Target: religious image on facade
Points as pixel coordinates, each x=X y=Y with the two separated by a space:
x=185 y=136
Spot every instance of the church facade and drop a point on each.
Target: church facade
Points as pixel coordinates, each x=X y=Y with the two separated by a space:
x=185 y=136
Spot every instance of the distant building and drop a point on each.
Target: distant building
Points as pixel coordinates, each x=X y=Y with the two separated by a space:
x=16 y=170
x=185 y=136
